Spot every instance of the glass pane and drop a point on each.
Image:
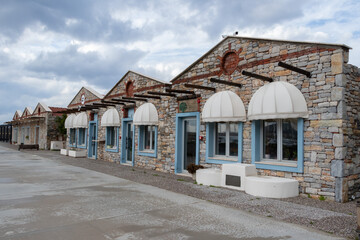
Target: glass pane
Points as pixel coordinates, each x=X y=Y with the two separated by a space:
x=289 y=139
x=233 y=129
x=189 y=142
x=220 y=143
x=152 y=137
x=270 y=139
x=147 y=130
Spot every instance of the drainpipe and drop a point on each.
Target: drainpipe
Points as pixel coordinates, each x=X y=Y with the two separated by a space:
x=358 y=217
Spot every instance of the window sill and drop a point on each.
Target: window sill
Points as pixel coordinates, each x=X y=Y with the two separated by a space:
x=285 y=164
x=81 y=146
x=222 y=160
x=147 y=153
x=279 y=166
x=111 y=149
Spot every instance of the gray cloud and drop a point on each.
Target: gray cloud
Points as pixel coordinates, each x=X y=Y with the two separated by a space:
x=90 y=66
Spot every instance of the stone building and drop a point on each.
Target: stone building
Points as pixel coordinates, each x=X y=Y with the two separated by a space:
x=36 y=127
x=81 y=124
x=290 y=108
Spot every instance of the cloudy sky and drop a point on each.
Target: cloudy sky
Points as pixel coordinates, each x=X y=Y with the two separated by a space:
x=50 y=48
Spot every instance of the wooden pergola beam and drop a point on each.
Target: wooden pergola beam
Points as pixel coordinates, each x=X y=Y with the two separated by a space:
x=162 y=94
x=180 y=91
x=254 y=75
x=215 y=80
x=295 y=69
x=103 y=104
x=135 y=99
x=122 y=100
x=112 y=102
x=188 y=97
x=146 y=96
x=199 y=87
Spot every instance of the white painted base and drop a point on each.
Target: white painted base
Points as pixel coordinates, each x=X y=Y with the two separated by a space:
x=56 y=145
x=237 y=169
x=209 y=176
x=64 y=152
x=271 y=187
x=77 y=153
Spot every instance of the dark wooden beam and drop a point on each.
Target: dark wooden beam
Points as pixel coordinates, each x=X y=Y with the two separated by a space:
x=135 y=99
x=122 y=100
x=103 y=105
x=215 y=80
x=112 y=102
x=162 y=94
x=295 y=69
x=180 y=91
x=199 y=87
x=188 y=97
x=146 y=96
x=254 y=75
x=129 y=106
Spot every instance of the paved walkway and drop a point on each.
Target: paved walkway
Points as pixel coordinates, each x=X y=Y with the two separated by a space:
x=44 y=199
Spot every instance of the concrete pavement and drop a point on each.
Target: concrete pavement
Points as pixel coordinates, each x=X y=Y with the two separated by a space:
x=44 y=199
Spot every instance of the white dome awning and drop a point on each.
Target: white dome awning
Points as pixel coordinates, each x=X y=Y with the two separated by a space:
x=224 y=106
x=69 y=122
x=111 y=118
x=146 y=114
x=81 y=120
x=277 y=100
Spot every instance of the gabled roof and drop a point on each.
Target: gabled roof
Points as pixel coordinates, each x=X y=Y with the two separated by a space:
x=17 y=113
x=130 y=71
x=57 y=109
x=259 y=39
x=29 y=109
x=46 y=108
x=95 y=93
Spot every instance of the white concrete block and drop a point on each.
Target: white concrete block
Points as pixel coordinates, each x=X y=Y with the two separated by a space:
x=209 y=176
x=56 y=145
x=77 y=153
x=271 y=187
x=237 y=170
x=64 y=152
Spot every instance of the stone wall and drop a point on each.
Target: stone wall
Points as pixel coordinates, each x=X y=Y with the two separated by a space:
x=141 y=85
x=348 y=167
x=323 y=136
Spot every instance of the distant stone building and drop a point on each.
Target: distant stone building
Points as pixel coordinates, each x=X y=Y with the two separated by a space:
x=290 y=108
x=36 y=127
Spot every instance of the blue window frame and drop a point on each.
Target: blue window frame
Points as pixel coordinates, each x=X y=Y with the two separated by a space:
x=224 y=142
x=148 y=141
x=81 y=143
x=278 y=144
x=179 y=139
x=111 y=139
x=72 y=137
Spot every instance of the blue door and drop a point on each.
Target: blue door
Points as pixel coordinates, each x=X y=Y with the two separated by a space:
x=92 y=150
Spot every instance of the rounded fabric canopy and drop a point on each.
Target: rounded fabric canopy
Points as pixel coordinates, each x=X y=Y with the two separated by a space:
x=277 y=100
x=224 y=106
x=110 y=118
x=81 y=120
x=69 y=122
x=146 y=114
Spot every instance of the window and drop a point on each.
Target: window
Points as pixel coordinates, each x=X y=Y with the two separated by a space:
x=111 y=138
x=72 y=140
x=279 y=140
x=278 y=144
x=224 y=142
x=82 y=137
x=226 y=139
x=147 y=140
